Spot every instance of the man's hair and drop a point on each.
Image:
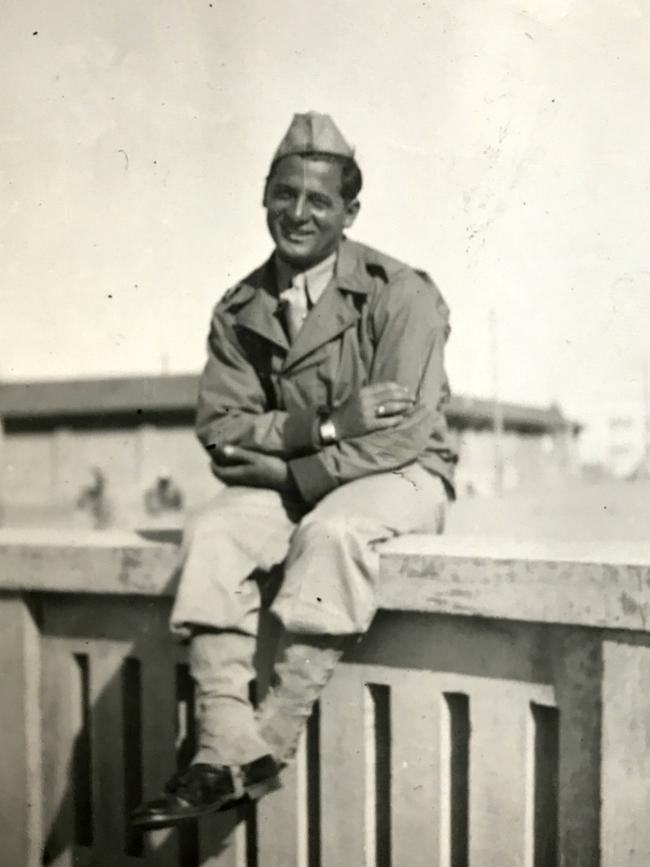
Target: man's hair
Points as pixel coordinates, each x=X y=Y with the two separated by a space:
x=351 y=177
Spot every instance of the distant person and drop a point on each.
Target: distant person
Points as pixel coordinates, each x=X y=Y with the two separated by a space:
x=321 y=406
x=163 y=496
x=93 y=499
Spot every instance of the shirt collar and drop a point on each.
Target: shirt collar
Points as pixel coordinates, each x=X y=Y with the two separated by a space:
x=315 y=279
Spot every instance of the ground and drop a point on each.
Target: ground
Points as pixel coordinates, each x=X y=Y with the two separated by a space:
x=580 y=511
x=607 y=510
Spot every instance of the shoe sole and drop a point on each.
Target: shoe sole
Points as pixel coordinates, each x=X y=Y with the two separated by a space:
x=254 y=792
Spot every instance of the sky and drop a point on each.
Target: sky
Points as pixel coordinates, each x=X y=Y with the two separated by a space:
x=504 y=148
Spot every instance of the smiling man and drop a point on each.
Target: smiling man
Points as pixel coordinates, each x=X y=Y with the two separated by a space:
x=321 y=406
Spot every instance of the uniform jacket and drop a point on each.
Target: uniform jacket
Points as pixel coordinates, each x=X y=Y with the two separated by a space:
x=378 y=320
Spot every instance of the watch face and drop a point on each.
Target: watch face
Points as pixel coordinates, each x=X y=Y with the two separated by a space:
x=327 y=432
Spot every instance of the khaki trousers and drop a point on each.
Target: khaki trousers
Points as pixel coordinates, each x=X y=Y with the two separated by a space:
x=330 y=554
x=331 y=570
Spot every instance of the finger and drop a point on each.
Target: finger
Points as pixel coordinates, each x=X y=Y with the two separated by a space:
x=222 y=465
x=393 y=407
x=228 y=473
x=236 y=455
x=388 y=386
x=219 y=467
x=221 y=454
x=217 y=470
x=384 y=423
x=390 y=391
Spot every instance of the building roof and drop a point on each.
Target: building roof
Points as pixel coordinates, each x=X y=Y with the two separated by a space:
x=479 y=412
x=98 y=396
x=177 y=393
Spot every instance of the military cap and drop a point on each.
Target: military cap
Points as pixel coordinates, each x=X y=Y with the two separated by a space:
x=313 y=133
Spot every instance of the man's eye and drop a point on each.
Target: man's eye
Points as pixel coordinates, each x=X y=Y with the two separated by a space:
x=319 y=203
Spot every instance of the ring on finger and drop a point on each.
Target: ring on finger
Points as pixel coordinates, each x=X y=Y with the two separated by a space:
x=381 y=410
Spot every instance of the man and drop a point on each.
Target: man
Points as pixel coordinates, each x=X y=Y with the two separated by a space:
x=321 y=405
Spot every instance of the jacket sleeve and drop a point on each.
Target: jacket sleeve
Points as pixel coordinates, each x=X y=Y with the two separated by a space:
x=233 y=405
x=410 y=326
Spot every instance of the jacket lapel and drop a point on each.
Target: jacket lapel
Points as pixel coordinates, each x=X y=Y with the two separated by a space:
x=332 y=315
x=335 y=310
x=261 y=313
x=261 y=316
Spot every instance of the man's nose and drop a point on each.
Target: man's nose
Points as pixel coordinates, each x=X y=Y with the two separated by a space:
x=299 y=209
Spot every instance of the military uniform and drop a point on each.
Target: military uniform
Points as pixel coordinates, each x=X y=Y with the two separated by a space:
x=378 y=320
x=266 y=388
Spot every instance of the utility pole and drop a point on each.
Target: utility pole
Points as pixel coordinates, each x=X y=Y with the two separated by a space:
x=645 y=467
x=497 y=408
x=2 y=466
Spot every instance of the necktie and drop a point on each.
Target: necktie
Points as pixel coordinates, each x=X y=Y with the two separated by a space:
x=294 y=306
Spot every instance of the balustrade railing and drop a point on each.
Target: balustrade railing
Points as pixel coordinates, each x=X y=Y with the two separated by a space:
x=497 y=714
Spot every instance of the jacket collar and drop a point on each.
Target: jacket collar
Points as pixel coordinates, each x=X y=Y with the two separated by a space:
x=314 y=280
x=332 y=314
x=350 y=268
x=261 y=314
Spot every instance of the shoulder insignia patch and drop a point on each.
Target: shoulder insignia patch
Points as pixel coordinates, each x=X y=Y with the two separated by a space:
x=441 y=305
x=374 y=269
x=238 y=294
x=231 y=293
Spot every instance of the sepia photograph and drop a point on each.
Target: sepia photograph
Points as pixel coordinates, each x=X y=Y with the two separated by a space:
x=325 y=433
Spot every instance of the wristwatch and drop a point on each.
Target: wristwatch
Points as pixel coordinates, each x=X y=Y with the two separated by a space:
x=327 y=432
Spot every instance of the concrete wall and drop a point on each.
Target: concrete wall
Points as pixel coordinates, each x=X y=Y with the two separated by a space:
x=46 y=472
x=503 y=726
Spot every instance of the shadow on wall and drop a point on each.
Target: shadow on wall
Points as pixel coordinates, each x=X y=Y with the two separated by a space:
x=163 y=498
x=118 y=703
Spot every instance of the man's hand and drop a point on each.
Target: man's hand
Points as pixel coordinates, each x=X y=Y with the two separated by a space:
x=236 y=466
x=375 y=407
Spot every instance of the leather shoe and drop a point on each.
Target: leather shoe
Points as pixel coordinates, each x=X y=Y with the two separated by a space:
x=203 y=789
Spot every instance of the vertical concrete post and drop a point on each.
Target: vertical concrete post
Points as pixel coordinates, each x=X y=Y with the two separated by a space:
x=578 y=673
x=625 y=805
x=20 y=760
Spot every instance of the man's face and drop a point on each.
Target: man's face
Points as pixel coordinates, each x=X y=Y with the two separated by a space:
x=305 y=211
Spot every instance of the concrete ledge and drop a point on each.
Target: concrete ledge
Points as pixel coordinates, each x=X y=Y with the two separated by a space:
x=86 y=562
x=601 y=586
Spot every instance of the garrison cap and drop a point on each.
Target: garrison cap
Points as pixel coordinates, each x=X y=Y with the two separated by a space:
x=313 y=133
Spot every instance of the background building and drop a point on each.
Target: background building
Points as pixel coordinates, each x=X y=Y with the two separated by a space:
x=122 y=451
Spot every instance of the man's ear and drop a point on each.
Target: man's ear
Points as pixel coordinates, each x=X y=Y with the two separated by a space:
x=351 y=210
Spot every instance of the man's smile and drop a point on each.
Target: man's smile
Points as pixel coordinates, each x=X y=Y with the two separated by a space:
x=297 y=236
